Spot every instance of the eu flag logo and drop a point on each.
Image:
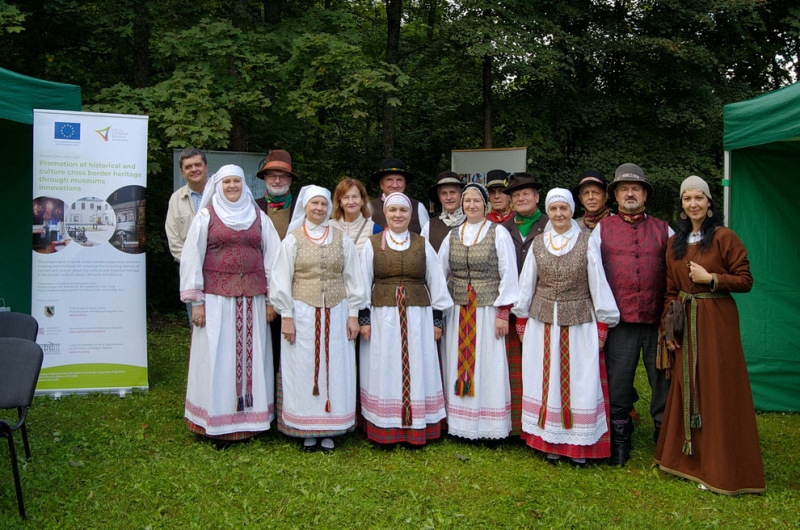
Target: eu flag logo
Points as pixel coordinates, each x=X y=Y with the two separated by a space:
x=67 y=131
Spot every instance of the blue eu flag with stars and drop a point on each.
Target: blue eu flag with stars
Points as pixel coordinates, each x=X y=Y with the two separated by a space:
x=67 y=131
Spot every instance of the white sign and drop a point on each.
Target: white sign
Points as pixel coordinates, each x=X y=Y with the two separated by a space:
x=88 y=226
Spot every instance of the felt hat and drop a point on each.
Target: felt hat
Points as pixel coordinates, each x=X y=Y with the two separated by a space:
x=277 y=159
x=496 y=178
x=630 y=173
x=391 y=166
x=591 y=176
x=520 y=180
x=445 y=177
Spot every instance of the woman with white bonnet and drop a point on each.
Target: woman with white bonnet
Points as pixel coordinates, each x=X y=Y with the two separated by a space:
x=480 y=265
x=569 y=307
x=401 y=382
x=317 y=288
x=709 y=432
x=225 y=265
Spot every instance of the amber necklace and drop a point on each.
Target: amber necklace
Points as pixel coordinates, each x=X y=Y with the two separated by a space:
x=554 y=247
x=316 y=240
x=477 y=235
x=396 y=242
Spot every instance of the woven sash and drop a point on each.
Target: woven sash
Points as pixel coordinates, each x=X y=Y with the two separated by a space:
x=244 y=353
x=317 y=353
x=563 y=348
x=465 y=384
x=691 y=406
x=401 y=309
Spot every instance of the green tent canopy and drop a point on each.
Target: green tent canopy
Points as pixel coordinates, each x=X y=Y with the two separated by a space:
x=19 y=95
x=762 y=154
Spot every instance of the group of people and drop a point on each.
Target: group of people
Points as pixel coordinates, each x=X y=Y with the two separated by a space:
x=492 y=319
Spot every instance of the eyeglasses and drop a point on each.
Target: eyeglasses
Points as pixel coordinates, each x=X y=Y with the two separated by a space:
x=278 y=177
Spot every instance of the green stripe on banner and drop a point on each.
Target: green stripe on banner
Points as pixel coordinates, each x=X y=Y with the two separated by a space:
x=93 y=375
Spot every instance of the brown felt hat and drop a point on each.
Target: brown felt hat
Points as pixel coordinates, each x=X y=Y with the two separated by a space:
x=520 y=180
x=277 y=159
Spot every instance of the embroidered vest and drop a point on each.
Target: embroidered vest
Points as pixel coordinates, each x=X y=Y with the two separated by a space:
x=317 y=279
x=634 y=261
x=380 y=219
x=234 y=264
x=563 y=279
x=393 y=267
x=477 y=265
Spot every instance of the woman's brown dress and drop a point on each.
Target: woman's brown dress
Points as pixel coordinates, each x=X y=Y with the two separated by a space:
x=726 y=457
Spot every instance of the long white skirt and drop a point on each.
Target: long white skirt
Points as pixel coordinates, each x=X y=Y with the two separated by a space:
x=211 y=390
x=381 y=371
x=586 y=392
x=301 y=409
x=487 y=414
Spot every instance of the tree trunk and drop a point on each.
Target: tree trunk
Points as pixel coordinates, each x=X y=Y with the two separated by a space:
x=141 y=44
x=487 y=101
x=394 y=13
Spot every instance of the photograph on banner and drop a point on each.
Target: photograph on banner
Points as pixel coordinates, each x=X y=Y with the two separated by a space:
x=88 y=277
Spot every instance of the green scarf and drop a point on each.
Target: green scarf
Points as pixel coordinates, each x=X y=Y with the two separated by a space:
x=526 y=222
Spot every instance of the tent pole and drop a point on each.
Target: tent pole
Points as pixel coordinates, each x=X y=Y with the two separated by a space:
x=726 y=190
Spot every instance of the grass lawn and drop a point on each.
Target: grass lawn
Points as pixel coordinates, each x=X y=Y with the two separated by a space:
x=104 y=462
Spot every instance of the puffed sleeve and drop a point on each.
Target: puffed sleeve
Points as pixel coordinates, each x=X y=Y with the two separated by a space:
x=192 y=258
x=527 y=286
x=444 y=255
x=422 y=215
x=434 y=277
x=507 y=267
x=367 y=270
x=353 y=278
x=270 y=244
x=280 y=282
x=605 y=307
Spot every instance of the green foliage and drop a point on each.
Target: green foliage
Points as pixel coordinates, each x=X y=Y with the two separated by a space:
x=11 y=19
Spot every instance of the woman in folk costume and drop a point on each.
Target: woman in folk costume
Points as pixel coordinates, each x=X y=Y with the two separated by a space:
x=569 y=306
x=709 y=432
x=480 y=266
x=401 y=384
x=225 y=264
x=317 y=288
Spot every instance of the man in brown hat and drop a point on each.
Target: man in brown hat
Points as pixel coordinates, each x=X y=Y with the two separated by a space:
x=447 y=192
x=184 y=202
x=591 y=192
x=392 y=177
x=526 y=223
x=277 y=202
x=501 y=203
x=633 y=247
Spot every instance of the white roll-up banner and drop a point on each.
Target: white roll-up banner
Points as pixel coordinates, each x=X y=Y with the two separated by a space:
x=88 y=218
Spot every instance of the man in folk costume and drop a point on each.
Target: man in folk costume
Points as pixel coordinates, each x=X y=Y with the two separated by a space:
x=393 y=177
x=591 y=192
x=447 y=192
x=526 y=223
x=278 y=204
x=633 y=246
x=501 y=203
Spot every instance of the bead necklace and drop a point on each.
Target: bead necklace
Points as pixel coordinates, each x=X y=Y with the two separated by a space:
x=552 y=245
x=396 y=242
x=316 y=240
x=476 y=235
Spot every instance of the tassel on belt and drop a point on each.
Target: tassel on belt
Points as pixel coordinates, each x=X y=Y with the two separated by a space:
x=691 y=407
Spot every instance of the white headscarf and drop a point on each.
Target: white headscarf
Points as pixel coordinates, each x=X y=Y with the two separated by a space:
x=237 y=215
x=559 y=195
x=306 y=194
x=396 y=198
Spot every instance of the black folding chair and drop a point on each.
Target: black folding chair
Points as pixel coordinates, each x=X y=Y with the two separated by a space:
x=20 y=325
x=21 y=360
